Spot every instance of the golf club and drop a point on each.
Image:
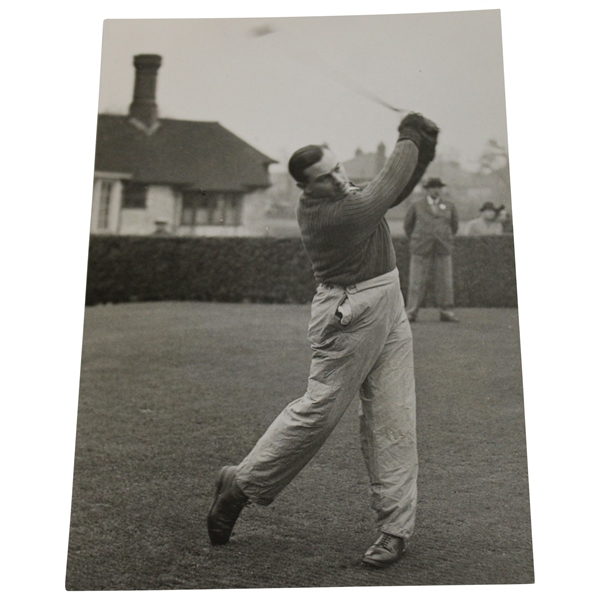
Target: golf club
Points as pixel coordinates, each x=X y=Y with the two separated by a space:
x=327 y=70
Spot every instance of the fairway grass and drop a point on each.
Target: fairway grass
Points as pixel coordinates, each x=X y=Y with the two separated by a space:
x=170 y=392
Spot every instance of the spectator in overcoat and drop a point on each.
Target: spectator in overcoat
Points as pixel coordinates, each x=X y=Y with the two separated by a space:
x=431 y=224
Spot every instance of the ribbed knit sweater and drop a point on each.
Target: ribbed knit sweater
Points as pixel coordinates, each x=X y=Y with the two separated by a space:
x=348 y=239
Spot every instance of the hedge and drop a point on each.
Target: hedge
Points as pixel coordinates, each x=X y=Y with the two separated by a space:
x=268 y=270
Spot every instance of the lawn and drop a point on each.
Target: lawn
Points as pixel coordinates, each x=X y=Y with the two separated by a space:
x=170 y=392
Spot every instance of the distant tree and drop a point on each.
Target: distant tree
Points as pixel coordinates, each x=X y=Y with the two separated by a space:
x=495 y=160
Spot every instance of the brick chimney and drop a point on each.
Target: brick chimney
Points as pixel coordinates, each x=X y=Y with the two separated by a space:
x=143 y=111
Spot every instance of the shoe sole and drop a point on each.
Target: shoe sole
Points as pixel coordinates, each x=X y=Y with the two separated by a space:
x=379 y=565
x=373 y=564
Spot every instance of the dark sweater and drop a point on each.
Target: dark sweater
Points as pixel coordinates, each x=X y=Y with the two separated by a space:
x=348 y=239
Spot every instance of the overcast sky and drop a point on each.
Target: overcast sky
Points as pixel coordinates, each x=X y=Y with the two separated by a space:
x=298 y=84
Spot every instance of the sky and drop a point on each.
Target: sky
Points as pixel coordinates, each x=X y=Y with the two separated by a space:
x=310 y=79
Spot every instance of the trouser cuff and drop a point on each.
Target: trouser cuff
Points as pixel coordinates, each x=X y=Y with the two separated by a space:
x=250 y=493
x=405 y=534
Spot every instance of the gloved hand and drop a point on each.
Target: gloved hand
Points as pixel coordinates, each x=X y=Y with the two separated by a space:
x=415 y=122
x=423 y=132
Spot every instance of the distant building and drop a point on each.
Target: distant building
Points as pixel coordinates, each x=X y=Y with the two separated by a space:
x=362 y=168
x=468 y=190
x=170 y=176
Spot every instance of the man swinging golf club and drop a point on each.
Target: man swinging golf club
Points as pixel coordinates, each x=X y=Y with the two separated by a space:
x=361 y=345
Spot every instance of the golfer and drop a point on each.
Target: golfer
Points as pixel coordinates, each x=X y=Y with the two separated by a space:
x=361 y=345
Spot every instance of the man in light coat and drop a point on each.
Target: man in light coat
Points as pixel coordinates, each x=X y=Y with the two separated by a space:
x=431 y=224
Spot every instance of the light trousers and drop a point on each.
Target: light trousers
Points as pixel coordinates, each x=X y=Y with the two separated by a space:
x=361 y=345
x=420 y=271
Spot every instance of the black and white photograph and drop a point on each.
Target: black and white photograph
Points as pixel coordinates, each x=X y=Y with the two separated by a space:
x=303 y=314
x=345 y=178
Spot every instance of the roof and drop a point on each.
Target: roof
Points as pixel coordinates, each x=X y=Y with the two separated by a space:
x=365 y=166
x=190 y=153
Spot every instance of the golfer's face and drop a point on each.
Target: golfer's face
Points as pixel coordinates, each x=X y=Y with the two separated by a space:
x=434 y=192
x=327 y=178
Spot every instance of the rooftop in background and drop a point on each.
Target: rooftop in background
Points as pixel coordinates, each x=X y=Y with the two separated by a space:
x=364 y=167
x=192 y=153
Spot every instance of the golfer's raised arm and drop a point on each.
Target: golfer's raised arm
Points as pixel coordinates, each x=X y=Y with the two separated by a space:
x=413 y=152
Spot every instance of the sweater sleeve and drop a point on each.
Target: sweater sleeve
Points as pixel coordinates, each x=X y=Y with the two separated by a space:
x=364 y=210
x=409 y=188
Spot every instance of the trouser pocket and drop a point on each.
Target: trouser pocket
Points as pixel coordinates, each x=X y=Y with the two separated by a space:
x=344 y=310
x=324 y=322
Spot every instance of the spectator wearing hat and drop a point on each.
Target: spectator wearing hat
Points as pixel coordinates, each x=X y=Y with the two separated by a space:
x=431 y=224
x=486 y=223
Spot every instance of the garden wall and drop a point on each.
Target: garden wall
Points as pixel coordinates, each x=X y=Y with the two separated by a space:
x=268 y=270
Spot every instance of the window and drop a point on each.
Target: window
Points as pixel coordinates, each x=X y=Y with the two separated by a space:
x=134 y=194
x=218 y=209
x=104 y=210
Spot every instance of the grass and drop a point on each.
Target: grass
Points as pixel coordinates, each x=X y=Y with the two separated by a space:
x=170 y=392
